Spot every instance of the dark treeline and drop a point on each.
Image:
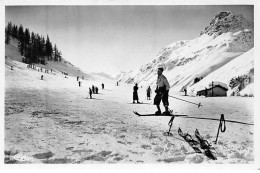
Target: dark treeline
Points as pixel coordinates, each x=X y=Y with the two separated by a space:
x=33 y=47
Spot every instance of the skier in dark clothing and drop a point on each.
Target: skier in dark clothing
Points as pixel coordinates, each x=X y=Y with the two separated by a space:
x=148 y=92
x=103 y=86
x=135 y=94
x=79 y=83
x=96 y=90
x=90 y=93
x=185 y=91
x=93 y=89
x=162 y=91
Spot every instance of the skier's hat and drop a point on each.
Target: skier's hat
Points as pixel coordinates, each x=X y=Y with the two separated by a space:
x=161 y=67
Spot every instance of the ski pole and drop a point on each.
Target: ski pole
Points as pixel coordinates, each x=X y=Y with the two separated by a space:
x=222 y=126
x=187 y=101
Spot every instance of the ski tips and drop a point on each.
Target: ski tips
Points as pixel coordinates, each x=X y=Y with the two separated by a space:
x=136 y=113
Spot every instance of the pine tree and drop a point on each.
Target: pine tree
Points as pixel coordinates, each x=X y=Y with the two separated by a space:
x=43 y=50
x=48 y=49
x=60 y=55
x=55 y=53
x=21 y=44
x=7 y=36
x=27 y=36
x=33 y=55
x=15 y=31
x=26 y=41
x=9 y=28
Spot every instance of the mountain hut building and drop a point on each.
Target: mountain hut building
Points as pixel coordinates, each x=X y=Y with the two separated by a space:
x=215 y=91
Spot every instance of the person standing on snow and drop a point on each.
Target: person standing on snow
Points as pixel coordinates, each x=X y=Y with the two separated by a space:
x=185 y=91
x=135 y=94
x=103 y=86
x=162 y=92
x=148 y=92
x=90 y=93
x=93 y=89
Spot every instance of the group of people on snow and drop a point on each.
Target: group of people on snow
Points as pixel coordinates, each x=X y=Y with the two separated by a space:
x=162 y=92
x=81 y=78
x=94 y=89
x=135 y=93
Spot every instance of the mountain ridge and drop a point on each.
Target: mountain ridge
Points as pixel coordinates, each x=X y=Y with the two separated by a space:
x=189 y=59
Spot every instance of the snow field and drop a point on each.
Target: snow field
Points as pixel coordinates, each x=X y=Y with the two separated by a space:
x=54 y=121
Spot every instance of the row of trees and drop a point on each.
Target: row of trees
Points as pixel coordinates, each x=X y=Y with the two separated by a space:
x=33 y=47
x=240 y=81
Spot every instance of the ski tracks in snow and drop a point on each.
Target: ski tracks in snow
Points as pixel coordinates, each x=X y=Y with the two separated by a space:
x=46 y=125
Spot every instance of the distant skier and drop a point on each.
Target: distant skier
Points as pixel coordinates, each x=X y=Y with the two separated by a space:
x=90 y=93
x=41 y=77
x=79 y=83
x=148 y=92
x=162 y=91
x=93 y=89
x=77 y=78
x=96 y=90
x=103 y=86
x=117 y=83
x=135 y=94
x=185 y=91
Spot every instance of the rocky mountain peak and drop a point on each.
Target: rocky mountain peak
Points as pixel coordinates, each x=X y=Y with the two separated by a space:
x=227 y=22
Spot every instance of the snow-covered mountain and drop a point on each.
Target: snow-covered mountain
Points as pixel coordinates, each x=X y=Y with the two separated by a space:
x=213 y=55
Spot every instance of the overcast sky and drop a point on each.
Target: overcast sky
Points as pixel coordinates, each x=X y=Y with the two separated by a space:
x=111 y=39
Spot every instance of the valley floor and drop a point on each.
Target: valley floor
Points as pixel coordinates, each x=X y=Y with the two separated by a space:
x=54 y=121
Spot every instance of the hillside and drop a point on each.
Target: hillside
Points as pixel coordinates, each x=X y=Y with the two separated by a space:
x=12 y=53
x=226 y=38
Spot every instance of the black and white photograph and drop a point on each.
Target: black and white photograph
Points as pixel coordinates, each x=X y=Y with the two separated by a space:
x=113 y=83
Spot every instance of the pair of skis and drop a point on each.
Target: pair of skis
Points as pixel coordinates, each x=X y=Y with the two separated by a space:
x=170 y=114
x=204 y=144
